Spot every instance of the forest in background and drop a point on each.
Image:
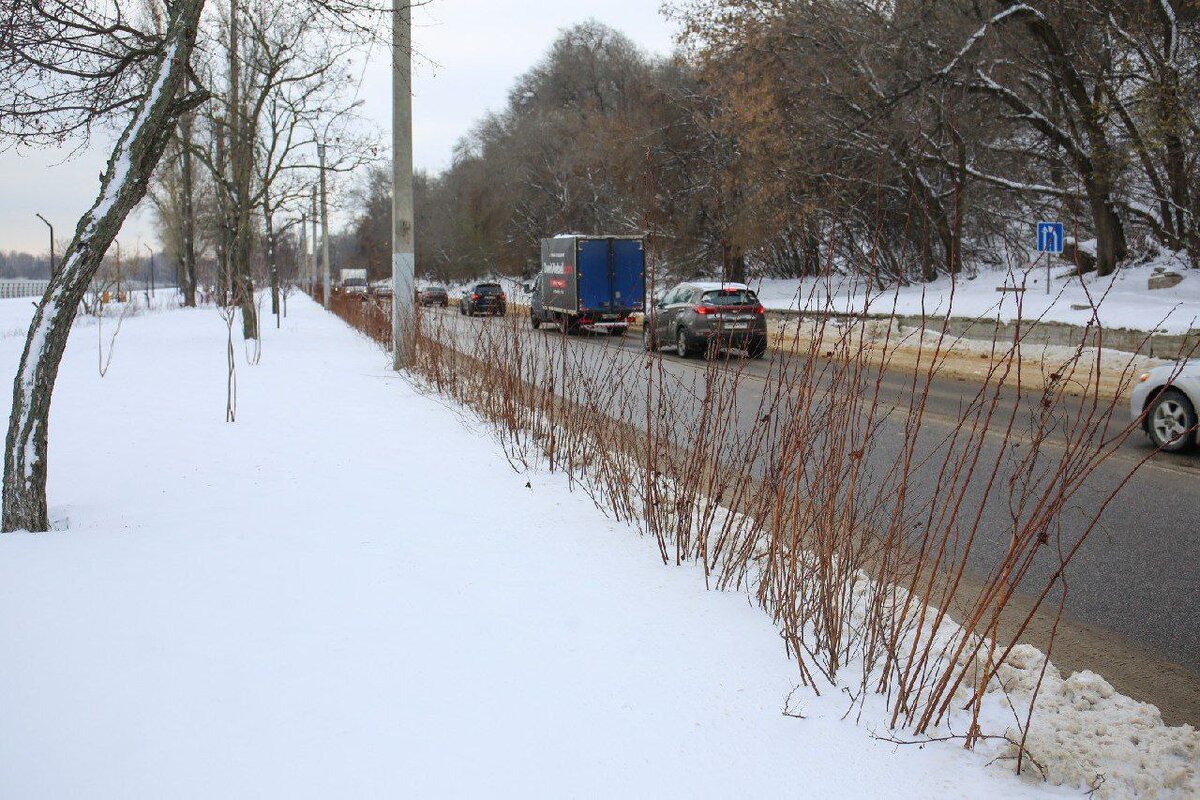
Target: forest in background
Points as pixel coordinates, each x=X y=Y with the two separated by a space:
x=904 y=140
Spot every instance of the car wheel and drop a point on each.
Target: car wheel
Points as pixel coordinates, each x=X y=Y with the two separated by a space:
x=534 y=321
x=616 y=331
x=462 y=310
x=1171 y=421
x=757 y=348
x=648 y=339
x=681 y=344
x=564 y=325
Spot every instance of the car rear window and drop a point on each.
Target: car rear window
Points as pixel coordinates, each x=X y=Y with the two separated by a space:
x=488 y=288
x=730 y=297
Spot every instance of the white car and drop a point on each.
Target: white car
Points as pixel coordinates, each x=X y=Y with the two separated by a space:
x=1169 y=397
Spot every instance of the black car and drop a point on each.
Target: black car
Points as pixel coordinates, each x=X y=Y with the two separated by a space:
x=697 y=318
x=483 y=298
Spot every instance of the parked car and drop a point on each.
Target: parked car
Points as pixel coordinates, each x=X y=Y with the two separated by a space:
x=701 y=317
x=1169 y=397
x=433 y=296
x=483 y=298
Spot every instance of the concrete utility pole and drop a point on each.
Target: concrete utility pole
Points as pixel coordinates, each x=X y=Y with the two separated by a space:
x=403 y=258
x=302 y=272
x=312 y=259
x=324 y=227
x=51 y=227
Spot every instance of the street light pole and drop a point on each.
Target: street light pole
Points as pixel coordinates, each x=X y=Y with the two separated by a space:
x=324 y=227
x=51 y=227
x=403 y=258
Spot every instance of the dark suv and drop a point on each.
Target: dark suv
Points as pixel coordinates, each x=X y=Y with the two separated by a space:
x=483 y=298
x=700 y=317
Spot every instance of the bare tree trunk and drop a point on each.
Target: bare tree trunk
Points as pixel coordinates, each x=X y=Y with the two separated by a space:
x=125 y=180
x=188 y=278
x=240 y=160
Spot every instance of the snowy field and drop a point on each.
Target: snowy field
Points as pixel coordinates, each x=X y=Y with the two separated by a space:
x=349 y=593
x=1123 y=299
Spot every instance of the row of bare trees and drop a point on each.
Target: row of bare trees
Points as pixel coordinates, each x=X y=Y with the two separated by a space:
x=906 y=139
x=240 y=174
x=235 y=95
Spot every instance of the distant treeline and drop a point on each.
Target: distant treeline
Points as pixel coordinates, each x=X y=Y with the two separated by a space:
x=16 y=264
x=906 y=139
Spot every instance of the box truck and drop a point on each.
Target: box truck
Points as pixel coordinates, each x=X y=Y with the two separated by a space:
x=589 y=283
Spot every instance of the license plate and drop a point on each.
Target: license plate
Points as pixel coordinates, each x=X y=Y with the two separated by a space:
x=737 y=326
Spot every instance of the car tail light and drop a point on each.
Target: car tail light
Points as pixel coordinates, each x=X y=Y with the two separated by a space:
x=705 y=310
x=1145 y=376
x=760 y=310
x=474 y=297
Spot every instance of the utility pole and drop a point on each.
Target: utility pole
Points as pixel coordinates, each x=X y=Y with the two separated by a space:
x=403 y=251
x=302 y=274
x=312 y=261
x=51 y=227
x=324 y=227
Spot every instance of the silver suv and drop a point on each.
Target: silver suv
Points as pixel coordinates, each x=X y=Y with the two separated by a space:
x=1169 y=397
x=703 y=318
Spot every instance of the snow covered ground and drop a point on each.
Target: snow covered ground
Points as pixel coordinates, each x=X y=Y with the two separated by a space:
x=349 y=593
x=1123 y=299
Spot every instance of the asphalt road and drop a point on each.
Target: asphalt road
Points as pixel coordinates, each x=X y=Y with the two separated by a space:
x=1134 y=586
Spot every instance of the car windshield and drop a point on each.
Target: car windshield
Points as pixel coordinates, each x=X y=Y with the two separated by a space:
x=730 y=297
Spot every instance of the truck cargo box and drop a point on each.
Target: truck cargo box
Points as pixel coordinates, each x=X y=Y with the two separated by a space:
x=597 y=274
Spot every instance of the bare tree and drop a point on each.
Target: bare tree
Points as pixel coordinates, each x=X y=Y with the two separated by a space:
x=87 y=60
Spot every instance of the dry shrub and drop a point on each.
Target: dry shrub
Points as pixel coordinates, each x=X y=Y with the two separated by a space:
x=855 y=518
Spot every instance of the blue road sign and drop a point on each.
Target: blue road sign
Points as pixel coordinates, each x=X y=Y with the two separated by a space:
x=1050 y=237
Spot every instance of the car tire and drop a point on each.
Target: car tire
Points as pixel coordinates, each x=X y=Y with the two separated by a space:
x=1171 y=422
x=564 y=325
x=534 y=321
x=682 y=348
x=616 y=331
x=757 y=348
x=648 y=338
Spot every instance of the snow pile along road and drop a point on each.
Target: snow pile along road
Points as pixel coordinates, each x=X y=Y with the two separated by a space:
x=349 y=593
x=1122 y=299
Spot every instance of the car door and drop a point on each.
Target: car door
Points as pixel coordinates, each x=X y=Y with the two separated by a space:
x=668 y=312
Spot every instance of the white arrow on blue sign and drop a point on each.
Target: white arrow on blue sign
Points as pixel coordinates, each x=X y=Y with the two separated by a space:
x=1050 y=237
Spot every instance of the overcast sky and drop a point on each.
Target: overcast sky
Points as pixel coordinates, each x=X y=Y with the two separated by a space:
x=469 y=53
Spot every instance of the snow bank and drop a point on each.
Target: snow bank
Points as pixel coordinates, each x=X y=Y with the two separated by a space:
x=1084 y=733
x=1123 y=299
